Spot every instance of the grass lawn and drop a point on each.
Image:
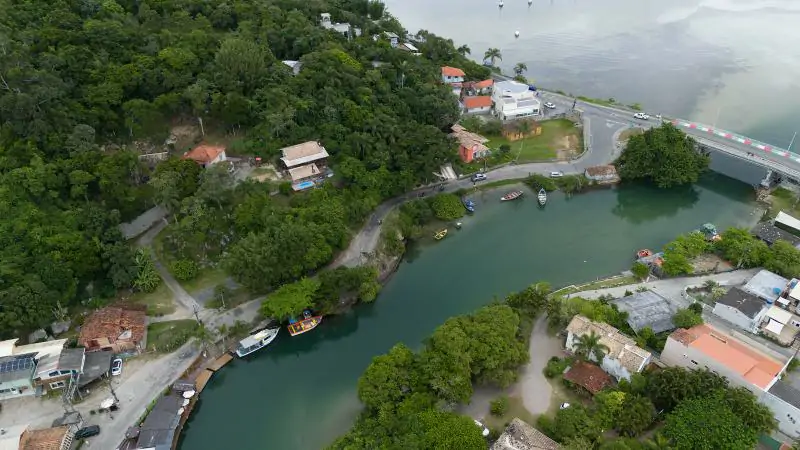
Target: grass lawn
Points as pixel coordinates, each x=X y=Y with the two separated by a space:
x=600 y=284
x=206 y=278
x=783 y=200
x=556 y=135
x=158 y=302
x=168 y=336
x=515 y=409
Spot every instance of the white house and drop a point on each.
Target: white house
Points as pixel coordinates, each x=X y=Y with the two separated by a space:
x=294 y=65
x=454 y=77
x=784 y=401
x=344 y=28
x=513 y=100
x=742 y=309
x=624 y=357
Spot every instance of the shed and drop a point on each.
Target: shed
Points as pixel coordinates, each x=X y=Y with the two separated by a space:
x=647 y=309
x=786 y=222
x=589 y=376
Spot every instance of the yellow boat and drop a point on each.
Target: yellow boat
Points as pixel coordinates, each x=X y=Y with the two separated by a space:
x=440 y=234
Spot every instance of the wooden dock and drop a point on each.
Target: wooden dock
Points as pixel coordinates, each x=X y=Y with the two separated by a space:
x=205 y=375
x=220 y=362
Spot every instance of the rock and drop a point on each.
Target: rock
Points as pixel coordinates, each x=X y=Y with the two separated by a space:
x=60 y=327
x=37 y=336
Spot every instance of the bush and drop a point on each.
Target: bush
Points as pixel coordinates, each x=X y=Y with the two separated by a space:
x=686 y=318
x=499 y=406
x=447 y=207
x=640 y=270
x=539 y=181
x=555 y=367
x=183 y=269
x=697 y=308
x=285 y=188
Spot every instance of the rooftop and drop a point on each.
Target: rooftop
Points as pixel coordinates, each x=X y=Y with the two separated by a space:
x=621 y=347
x=521 y=436
x=46 y=439
x=158 y=428
x=764 y=283
x=483 y=85
x=15 y=366
x=787 y=222
x=589 y=376
x=748 y=304
x=515 y=87
x=48 y=354
x=769 y=233
x=600 y=171
x=303 y=172
x=204 y=153
x=448 y=71
x=468 y=139
x=10 y=440
x=96 y=365
x=115 y=323
x=786 y=392
x=753 y=365
x=304 y=153
x=647 y=309
x=480 y=101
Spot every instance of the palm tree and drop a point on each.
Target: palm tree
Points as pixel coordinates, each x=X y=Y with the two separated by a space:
x=659 y=442
x=520 y=68
x=464 y=50
x=589 y=345
x=493 y=54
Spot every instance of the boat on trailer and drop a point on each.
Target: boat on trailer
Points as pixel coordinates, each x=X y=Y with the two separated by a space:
x=259 y=338
x=308 y=323
x=542 y=196
x=513 y=195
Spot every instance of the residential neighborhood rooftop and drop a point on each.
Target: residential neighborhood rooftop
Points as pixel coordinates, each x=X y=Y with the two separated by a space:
x=304 y=153
x=519 y=435
x=753 y=365
x=158 y=428
x=483 y=85
x=770 y=234
x=96 y=365
x=46 y=439
x=786 y=392
x=10 y=440
x=647 y=309
x=748 y=304
x=515 y=87
x=113 y=323
x=589 y=376
x=452 y=72
x=479 y=101
x=14 y=366
x=302 y=172
x=621 y=347
x=204 y=153
x=764 y=283
x=787 y=222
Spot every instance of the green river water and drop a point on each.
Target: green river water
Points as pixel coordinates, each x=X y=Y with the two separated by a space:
x=300 y=393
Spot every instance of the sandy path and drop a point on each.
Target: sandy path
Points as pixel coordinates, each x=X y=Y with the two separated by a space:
x=532 y=386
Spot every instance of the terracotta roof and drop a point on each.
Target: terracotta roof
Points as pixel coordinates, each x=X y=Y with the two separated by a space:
x=754 y=366
x=47 y=439
x=452 y=72
x=603 y=170
x=204 y=153
x=620 y=347
x=468 y=139
x=112 y=323
x=521 y=436
x=592 y=377
x=304 y=153
x=484 y=84
x=481 y=101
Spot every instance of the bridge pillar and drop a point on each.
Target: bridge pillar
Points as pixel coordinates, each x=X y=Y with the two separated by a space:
x=767 y=181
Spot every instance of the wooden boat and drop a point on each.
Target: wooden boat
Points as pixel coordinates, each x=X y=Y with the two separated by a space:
x=542 y=196
x=308 y=323
x=513 y=195
x=258 y=339
x=439 y=235
x=643 y=253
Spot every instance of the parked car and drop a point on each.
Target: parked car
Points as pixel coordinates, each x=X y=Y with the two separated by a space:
x=478 y=177
x=556 y=174
x=484 y=429
x=641 y=115
x=91 y=430
x=658 y=116
x=549 y=105
x=116 y=366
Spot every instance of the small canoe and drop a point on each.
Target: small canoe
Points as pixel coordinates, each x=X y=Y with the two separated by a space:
x=439 y=235
x=304 y=325
x=513 y=195
x=644 y=253
x=542 y=196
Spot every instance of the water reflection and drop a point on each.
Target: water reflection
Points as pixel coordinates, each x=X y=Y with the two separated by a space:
x=641 y=202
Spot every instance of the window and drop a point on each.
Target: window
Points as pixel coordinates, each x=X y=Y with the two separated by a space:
x=57 y=385
x=694 y=362
x=52 y=374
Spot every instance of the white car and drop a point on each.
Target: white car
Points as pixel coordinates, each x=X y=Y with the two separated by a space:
x=478 y=177
x=641 y=115
x=556 y=174
x=549 y=105
x=116 y=366
x=484 y=430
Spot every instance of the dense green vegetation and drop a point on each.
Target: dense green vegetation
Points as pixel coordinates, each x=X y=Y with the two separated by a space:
x=86 y=86
x=664 y=156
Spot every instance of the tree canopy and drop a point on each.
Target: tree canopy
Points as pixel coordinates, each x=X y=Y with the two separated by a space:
x=664 y=155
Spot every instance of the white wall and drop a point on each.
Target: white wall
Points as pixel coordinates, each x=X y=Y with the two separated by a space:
x=481 y=110
x=735 y=317
x=612 y=366
x=221 y=157
x=788 y=416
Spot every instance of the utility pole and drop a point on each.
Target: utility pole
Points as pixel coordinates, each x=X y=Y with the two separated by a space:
x=202 y=130
x=792 y=141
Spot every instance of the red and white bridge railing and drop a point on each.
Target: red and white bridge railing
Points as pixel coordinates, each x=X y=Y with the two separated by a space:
x=737 y=138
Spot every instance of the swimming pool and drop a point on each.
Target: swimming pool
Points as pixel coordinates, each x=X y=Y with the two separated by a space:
x=303 y=185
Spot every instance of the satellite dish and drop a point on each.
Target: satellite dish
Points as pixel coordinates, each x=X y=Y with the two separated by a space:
x=516 y=34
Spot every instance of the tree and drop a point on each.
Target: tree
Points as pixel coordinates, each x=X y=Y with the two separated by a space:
x=783 y=259
x=147 y=278
x=686 y=318
x=215 y=184
x=499 y=406
x=290 y=299
x=663 y=155
x=755 y=415
x=493 y=54
x=589 y=346
x=739 y=246
x=640 y=270
x=609 y=404
x=167 y=190
x=463 y=50
x=574 y=422
x=520 y=68
x=721 y=427
x=389 y=378
x=184 y=269
x=221 y=293
x=636 y=414
x=658 y=442
x=676 y=263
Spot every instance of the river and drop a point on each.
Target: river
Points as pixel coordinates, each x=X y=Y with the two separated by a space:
x=300 y=393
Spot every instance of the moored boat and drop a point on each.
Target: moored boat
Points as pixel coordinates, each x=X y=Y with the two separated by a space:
x=643 y=253
x=308 y=323
x=542 y=196
x=259 y=338
x=469 y=205
x=439 y=235
x=513 y=195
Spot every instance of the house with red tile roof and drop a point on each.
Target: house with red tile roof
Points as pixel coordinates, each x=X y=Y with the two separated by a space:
x=454 y=77
x=588 y=376
x=470 y=145
x=206 y=155
x=115 y=328
x=56 y=438
x=480 y=104
x=484 y=87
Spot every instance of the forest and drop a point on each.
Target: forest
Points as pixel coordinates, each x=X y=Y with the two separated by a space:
x=86 y=85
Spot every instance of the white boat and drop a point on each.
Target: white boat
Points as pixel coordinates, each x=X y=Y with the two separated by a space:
x=542 y=197
x=258 y=339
